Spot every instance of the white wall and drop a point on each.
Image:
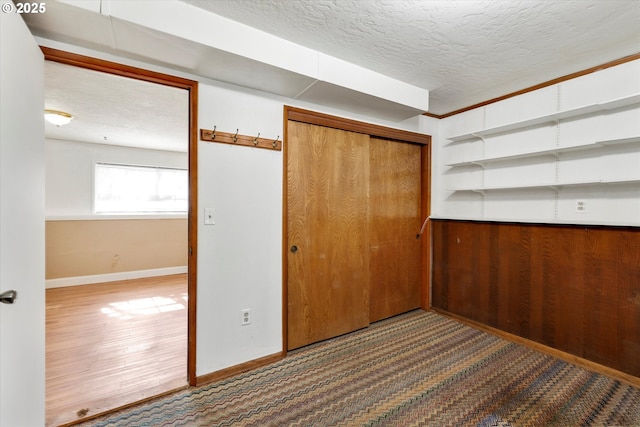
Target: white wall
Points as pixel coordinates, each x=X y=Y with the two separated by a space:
x=240 y=257
x=573 y=175
x=70 y=170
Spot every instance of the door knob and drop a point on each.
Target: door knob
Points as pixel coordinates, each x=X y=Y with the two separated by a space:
x=8 y=297
x=294 y=249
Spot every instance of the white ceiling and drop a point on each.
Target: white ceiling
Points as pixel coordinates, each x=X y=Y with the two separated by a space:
x=462 y=51
x=115 y=110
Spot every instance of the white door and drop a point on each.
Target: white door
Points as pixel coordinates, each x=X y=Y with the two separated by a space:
x=22 y=324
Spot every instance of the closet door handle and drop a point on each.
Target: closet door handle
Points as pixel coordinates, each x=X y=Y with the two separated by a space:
x=294 y=249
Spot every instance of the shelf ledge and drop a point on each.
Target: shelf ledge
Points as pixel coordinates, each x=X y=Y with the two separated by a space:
x=550 y=118
x=553 y=186
x=553 y=152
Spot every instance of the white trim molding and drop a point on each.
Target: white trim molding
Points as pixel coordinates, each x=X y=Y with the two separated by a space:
x=113 y=277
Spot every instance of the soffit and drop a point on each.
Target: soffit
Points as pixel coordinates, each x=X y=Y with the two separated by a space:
x=462 y=51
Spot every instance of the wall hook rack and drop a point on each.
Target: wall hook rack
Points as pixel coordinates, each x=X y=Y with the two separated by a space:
x=238 y=139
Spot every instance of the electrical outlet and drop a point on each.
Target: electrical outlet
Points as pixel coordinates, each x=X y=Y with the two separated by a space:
x=581 y=206
x=246 y=317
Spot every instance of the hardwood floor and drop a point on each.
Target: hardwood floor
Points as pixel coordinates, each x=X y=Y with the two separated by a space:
x=111 y=344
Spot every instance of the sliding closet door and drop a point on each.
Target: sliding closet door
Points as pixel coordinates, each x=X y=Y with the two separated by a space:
x=328 y=232
x=394 y=212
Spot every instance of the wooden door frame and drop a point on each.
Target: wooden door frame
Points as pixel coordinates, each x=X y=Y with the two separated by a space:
x=320 y=119
x=191 y=86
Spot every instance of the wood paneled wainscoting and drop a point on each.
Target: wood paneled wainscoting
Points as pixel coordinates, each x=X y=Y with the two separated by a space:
x=573 y=288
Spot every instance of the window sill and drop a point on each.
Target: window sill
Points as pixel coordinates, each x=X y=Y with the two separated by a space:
x=115 y=217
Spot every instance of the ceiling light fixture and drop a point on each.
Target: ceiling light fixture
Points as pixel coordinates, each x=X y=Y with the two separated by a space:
x=58 y=118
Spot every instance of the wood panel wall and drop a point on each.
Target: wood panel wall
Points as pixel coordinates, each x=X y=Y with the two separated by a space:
x=573 y=288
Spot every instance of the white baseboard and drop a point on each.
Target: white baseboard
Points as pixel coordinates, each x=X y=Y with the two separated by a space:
x=112 y=277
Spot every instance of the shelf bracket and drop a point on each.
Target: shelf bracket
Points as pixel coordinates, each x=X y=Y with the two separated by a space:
x=477 y=135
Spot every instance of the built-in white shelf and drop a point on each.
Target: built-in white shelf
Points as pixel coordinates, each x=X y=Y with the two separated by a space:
x=550 y=118
x=553 y=152
x=554 y=186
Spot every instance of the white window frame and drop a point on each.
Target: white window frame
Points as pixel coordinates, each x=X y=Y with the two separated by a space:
x=135 y=202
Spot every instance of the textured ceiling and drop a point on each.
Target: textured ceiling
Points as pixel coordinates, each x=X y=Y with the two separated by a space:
x=463 y=51
x=110 y=109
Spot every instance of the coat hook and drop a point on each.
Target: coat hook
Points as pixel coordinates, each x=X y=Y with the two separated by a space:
x=213 y=132
x=255 y=140
x=235 y=137
x=275 y=143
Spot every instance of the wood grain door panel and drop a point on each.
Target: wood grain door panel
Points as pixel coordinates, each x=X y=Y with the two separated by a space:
x=328 y=224
x=394 y=212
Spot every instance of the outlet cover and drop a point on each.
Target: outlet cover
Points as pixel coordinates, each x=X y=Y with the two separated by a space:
x=208 y=216
x=246 y=317
x=581 y=206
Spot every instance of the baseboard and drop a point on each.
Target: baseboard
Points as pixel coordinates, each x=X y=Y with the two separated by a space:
x=238 y=369
x=567 y=357
x=113 y=277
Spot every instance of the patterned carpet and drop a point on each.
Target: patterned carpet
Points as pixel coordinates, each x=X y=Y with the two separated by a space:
x=417 y=369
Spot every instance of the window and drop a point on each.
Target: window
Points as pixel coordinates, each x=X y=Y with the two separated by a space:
x=140 y=189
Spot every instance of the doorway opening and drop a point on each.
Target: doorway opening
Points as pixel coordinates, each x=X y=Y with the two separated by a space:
x=131 y=270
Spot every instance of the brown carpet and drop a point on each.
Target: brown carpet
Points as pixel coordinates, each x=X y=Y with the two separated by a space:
x=417 y=369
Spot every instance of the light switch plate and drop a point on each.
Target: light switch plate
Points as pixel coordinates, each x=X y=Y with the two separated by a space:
x=208 y=216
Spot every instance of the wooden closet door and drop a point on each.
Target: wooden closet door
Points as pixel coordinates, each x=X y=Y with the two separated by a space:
x=394 y=211
x=328 y=232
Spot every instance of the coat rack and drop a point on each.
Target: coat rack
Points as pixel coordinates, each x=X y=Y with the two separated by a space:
x=236 y=139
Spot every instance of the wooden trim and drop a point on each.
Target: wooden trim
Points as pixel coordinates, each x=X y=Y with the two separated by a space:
x=425 y=244
x=239 y=369
x=285 y=244
x=96 y=64
x=326 y=120
x=120 y=408
x=208 y=135
x=537 y=224
x=567 y=357
x=192 y=292
x=191 y=86
x=539 y=86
